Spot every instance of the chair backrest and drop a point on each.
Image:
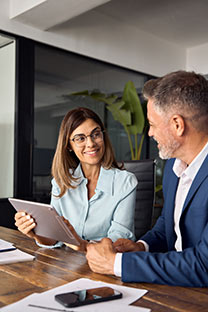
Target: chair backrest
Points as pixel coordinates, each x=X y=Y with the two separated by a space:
x=144 y=170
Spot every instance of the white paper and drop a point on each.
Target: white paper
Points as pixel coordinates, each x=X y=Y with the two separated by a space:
x=46 y=299
x=129 y=294
x=5 y=245
x=14 y=256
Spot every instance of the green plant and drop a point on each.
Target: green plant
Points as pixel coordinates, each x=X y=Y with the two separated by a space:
x=128 y=111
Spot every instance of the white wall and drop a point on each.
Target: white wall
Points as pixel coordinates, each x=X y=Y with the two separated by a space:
x=197 y=59
x=101 y=37
x=7 y=108
x=111 y=40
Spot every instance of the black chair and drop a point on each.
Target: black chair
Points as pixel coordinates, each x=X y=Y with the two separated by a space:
x=144 y=170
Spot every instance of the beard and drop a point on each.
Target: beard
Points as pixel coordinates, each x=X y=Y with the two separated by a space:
x=167 y=150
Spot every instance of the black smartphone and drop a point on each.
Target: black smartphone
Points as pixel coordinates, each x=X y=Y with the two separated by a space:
x=87 y=296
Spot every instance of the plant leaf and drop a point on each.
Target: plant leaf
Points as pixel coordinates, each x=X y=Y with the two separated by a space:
x=119 y=114
x=84 y=92
x=132 y=103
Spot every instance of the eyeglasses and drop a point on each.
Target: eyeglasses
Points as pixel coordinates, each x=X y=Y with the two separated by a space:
x=81 y=139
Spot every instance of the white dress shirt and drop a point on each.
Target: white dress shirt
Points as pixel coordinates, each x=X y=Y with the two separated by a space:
x=186 y=176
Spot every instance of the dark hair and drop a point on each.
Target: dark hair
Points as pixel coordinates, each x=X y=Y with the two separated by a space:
x=181 y=92
x=64 y=159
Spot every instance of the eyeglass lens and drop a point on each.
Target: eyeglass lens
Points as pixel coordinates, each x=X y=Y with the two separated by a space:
x=81 y=139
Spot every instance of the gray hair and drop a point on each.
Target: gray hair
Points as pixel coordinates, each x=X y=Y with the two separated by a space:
x=181 y=92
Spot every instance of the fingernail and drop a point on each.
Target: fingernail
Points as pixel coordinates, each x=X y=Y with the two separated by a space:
x=27 y=217
x=31 y=220
x=23 y=214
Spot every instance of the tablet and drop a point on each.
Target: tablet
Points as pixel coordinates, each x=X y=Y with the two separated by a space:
x=49 y=223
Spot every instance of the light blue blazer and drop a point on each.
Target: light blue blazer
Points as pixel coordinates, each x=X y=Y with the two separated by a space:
x=163 y=265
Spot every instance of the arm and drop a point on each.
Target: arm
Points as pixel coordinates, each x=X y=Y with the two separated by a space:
x=122 y=224
x=186 y=268
x=156 y=237
x=55 y=203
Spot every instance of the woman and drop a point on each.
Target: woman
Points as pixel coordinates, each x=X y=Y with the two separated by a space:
x=89 y=189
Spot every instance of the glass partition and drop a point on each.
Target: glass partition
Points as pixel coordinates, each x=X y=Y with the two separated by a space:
x=7 y=116
x=57 y=74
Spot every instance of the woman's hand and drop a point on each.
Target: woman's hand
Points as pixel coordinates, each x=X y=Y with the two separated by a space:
x=25 y=224
x=83 y=243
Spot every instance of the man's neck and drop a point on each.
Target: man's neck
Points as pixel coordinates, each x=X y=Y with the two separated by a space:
x=192 y=148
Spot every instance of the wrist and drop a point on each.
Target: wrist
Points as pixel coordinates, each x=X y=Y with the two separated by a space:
x=140 y=246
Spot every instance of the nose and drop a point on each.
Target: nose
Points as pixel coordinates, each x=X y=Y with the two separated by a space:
x=89 y=141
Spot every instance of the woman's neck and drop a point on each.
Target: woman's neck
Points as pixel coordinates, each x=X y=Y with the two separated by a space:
x=91 y=172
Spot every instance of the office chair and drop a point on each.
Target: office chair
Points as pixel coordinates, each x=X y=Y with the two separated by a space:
x=144 y=170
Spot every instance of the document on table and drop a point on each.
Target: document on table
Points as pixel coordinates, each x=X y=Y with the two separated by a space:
x=46 y=302
x=9 y=253
x=4 y=245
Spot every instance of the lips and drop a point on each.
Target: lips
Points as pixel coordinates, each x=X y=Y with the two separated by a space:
x=91 y=152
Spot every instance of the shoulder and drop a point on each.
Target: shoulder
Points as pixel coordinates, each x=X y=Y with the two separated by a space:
x=53 y=182
x=55 y=187
x=125 y=178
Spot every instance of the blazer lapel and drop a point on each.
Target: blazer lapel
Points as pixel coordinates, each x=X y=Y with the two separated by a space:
x=201 y=175
x=170 y=203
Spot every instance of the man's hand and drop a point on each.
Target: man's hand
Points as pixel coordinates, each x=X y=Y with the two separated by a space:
x=101 y=256
x=125 y=245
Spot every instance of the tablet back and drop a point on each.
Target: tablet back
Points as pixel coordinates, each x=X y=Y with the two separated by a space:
x=49 y=223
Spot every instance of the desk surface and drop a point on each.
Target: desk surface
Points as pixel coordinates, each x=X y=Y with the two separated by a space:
x=55 y=267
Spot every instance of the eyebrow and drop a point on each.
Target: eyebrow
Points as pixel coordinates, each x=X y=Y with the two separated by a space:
x=97 y=128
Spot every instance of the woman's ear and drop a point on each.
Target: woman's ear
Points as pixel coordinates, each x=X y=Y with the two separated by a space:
x=178 y=125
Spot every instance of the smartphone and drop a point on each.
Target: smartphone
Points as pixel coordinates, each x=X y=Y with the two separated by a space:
x=87 y=296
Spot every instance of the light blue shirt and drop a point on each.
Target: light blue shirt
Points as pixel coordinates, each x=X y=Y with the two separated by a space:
x=109 y=213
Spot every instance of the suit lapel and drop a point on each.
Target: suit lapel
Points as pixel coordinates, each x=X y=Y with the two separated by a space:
x=170 y=203
x=201 y=175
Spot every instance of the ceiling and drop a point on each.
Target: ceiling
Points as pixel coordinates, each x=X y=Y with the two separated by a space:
x=183 y=22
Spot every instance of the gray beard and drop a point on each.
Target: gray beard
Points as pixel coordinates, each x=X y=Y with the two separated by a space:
x=167 y=151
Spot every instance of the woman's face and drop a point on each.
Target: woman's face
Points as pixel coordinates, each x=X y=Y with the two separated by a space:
x=87 y=143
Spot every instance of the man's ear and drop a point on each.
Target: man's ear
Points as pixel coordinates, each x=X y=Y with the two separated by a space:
x=178 y=125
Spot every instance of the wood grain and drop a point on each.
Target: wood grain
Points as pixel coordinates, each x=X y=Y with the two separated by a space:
x=55 y=267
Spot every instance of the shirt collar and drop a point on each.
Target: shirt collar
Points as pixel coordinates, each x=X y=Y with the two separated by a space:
x=105 y=179
x=180 y=167
x=78 y=174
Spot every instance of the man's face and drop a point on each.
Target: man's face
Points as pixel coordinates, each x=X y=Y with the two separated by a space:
x=161 y=132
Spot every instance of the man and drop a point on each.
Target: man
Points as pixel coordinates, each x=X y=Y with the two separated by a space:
x=175 y=251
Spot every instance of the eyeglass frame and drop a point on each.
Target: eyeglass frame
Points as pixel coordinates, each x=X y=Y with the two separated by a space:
x=86 y=136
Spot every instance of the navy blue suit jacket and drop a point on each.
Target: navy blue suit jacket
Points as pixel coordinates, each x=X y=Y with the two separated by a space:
x=163 y=265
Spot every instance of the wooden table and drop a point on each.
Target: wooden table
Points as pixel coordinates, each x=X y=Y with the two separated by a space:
x=55 y=267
